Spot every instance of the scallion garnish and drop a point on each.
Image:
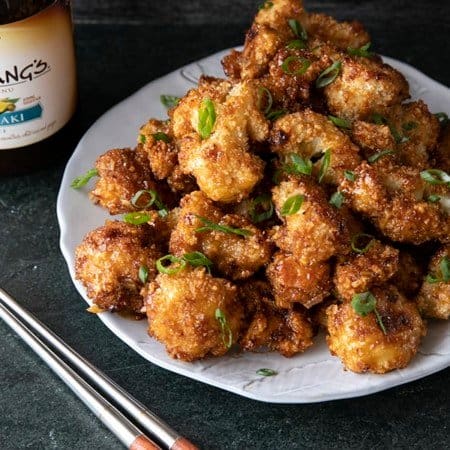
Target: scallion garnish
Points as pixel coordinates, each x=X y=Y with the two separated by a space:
x=301 y=64
x=169 y=101
x=264 y=105
x=361 y=51
x=153 y=200
x=227 y=334
x=435 y=176
x=329 y=75
x=274 y=115
x=299 y=165
x=198 y=259
x=292 y=205
x=444 y=277
x=326 y=160
x=378 y=119
x=361 y=242
x=433 y=198
x=376 y=156
x=265 y=5
x=266 y=372
x=398 y=138
x=261 y=208
x=364 y=304
x=442 y=117
x=350 y=175
x=337 y=199
x=82 y=180
x=211 y=226
x=408 y=126
x=142 y=138
x=341 y=123
x=136 y=218
x=160 y=136
x=175 y=266
x=206 y=118
x=296 y=44
x=297 y=29
x=143 y=274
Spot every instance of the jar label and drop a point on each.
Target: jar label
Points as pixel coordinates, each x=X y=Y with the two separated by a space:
x=37 y=77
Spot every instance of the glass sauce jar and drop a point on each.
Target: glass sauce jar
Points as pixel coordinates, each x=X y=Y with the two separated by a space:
x=37 y=82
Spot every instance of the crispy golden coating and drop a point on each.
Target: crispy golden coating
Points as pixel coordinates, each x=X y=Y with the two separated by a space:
x=360 y=342
x=317 y=231
x=365 y=86
x=408 y=278
x=309 y=135
x=360 y=272
x=181 y=309
x=108 y=262
x=372 y=138
x=233 y=255
x=394 y=198
x=294 y=282
x=122 y=173
x=286 y=331
x=434 y=298
x=222 y=164
x=442 y=151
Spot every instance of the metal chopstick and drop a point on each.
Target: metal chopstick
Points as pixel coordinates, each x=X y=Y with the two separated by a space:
x=149 y=421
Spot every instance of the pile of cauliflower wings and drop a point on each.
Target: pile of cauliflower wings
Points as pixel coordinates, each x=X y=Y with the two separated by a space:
x=304 y=191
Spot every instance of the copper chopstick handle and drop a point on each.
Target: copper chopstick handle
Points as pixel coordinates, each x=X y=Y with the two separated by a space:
x=142 y=443
x=183 y=444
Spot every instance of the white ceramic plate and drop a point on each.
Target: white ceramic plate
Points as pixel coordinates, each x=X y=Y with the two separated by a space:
x=314 y=376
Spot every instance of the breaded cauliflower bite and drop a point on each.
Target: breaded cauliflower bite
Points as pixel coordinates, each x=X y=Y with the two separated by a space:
x=221 y=161
x=182 y=312
x=434 y=296
x=396 y=199
x=287 y=331
x=108 y=260
x=234 y=255
x=375 y=264
x=315 y=232
x=442 y=151
x=309 y=135
x=360 y=342
x=294 y=282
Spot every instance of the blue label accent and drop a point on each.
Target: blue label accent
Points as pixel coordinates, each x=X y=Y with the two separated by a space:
x=21 y=116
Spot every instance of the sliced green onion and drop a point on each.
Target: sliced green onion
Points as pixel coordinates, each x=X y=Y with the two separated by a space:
x=364 y=304
x=350 y=175
x=227 y=334
x=143 y=274
x=326 y=160
x=442 y=117
x=341 y=123
x=435 y=176
x=444 y=266
x=82 y=180
x=274 y=115
x=398 y=138
x=378 y=119
x=408 y=126
x=136 y=218
x=136 y=197
x=169 y=101
x=265 y=5
x=292 y=205
x=266 y=372
x=299 y=165
x=337 y=199
x=142 y=138
x=264 y=92
x=380 y=321
x=295 y=60
x=296 y=44
x=376 y=156
x=433 y=198
x=328 y=75
x=198 y=259
x=178 y=265
x=160 y=136
x=361 y=51
x=358 y=246
x=211 y=226
x=261 y=208
x=297 y=29
x=206 y=118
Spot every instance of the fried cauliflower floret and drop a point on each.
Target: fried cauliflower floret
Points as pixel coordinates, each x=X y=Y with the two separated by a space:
x=442 y=151
x=409 y=275
x=309 y=135
x=233 y=255
x=222 y=164
x=341 y=34
x=316 y=231
x=286 y=331
x=294 y=282
x=372 y=138
x=394 y=198
x=362 y=271
x=108 y=260
x=434 y=297
x=360 y=342
x=181 y=310
x=365 y=86
x=122 y=173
